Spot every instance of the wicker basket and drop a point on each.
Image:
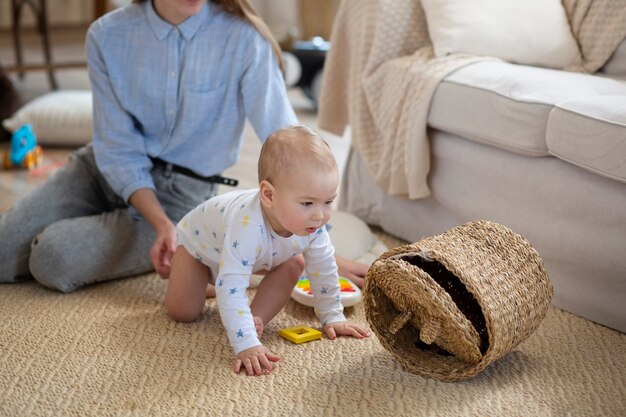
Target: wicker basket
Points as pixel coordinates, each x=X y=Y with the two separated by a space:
x=449 y=305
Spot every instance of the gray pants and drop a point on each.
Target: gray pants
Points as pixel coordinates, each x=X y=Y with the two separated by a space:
x=74 y=230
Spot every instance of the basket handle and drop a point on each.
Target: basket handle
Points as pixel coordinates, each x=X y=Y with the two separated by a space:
x=428 y=332
x=400 y=321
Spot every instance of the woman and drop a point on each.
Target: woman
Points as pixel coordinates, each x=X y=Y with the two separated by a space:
x=173 y=82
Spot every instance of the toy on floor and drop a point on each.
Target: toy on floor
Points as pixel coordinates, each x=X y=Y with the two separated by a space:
x=24 y=151
x=300 y=334
x=350 y=293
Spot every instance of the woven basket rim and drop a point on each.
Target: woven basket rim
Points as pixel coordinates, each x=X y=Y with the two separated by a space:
x=498 y=267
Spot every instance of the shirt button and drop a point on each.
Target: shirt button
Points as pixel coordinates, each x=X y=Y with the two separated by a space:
x=173 y=74
x=171 y=111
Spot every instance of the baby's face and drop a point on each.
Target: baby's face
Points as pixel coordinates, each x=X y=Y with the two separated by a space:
x=304 y=201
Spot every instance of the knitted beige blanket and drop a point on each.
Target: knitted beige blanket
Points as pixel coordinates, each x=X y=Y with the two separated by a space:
x=381 y=74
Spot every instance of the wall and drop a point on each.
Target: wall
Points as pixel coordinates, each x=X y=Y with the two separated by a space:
x=60 y=13
x=280 y=15
x=316 y=17
x=301 y=19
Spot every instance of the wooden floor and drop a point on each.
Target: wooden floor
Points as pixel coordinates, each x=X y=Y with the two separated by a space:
x=68 y=45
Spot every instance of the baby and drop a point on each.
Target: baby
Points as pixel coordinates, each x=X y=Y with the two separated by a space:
x=229 y=237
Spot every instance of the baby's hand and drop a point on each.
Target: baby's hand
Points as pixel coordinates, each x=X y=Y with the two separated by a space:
x=346 y=329
x=254 y=360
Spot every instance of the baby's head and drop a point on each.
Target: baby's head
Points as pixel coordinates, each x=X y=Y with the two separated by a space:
x=288 y=151
x=298 y=180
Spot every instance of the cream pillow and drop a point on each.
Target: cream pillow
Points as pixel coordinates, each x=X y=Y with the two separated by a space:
x=58 y=118
x=531 y=32
x=353 y=239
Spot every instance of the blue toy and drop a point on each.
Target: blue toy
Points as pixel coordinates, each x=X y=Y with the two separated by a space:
x=24 y=150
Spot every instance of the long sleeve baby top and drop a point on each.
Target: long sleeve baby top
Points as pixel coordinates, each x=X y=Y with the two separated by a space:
x=230 y=234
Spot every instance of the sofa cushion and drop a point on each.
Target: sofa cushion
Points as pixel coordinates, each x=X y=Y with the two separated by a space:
x=532 y=32
x=590 y=132
x=507 y=106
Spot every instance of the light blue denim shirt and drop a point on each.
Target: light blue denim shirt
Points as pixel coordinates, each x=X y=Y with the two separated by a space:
x=180 y=93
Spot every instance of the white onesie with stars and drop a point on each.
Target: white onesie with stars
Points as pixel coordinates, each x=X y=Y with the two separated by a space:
x=230 y=235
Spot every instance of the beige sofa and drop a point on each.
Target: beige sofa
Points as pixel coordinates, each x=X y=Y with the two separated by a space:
x=542 y=151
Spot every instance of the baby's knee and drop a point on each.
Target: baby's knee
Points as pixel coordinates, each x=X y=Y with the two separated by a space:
x=181 y=313
x=180 y=308
x=294 y=267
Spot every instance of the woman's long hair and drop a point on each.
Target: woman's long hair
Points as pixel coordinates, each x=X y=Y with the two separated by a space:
x=244 y=10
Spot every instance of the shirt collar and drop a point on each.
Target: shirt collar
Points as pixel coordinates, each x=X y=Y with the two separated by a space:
x=188 y=28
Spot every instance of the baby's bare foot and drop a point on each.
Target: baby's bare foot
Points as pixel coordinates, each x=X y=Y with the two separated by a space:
x=210 y=291
x=258 y=325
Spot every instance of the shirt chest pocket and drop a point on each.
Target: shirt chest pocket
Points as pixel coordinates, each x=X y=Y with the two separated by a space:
x=200 y=109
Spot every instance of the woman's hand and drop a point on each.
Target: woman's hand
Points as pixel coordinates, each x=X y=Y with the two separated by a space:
x=163 y=249
x=354 y=271
x=254 y=360
x=346 y=329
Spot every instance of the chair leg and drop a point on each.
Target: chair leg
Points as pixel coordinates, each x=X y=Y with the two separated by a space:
x=17 y=40
x=45 y=38
x=39 y=9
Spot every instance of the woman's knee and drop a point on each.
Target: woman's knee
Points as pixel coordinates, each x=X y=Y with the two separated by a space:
x=51 y=266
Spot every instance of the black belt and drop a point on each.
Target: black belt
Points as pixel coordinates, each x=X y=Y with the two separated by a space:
x=217 y=179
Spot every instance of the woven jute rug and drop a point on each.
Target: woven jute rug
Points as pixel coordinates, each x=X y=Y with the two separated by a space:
x=110 y=350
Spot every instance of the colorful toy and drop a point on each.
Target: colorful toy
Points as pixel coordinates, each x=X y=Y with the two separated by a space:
x=350 y=293
x=300 y=334
x=24 y=150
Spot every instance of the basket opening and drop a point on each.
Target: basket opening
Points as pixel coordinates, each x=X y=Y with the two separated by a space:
x=465 y=301
x=433 y=348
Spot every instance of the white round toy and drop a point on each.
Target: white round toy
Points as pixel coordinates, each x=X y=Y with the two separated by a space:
x=350 y=293
x=352 y=239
